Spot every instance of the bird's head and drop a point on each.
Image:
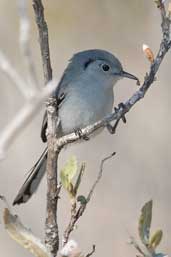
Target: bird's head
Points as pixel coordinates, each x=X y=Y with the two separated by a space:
x=95 y=65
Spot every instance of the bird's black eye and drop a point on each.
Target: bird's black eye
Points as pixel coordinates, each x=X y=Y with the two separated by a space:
x=105 y=67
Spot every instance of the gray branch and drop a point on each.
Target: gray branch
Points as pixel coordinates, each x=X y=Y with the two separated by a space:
x=51 y=226
x=43 y=39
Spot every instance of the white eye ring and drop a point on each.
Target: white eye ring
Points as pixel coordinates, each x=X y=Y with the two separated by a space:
x=105 y=67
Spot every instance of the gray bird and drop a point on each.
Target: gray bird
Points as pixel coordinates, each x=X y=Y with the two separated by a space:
x=85 y=96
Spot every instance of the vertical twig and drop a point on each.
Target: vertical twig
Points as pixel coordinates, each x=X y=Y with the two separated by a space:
x=43 y=37
x=51 y=227
x=24 y=41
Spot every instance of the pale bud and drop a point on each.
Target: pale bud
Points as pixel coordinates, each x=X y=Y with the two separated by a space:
x=148 y=53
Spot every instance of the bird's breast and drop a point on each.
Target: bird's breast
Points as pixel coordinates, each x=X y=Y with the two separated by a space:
x=84 y=106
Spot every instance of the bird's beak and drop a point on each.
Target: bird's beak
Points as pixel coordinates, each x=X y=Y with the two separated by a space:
x=128 y=75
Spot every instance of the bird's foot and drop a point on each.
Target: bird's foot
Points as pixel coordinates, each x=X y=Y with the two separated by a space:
x=121 y=105
x=112 y=129
x=80 y=134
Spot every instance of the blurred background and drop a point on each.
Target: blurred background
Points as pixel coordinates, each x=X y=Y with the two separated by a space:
x=141 y=169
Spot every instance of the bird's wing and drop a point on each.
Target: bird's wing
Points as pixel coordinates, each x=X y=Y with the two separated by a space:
x=60 y=94
x=44 y=122
x=75 y=67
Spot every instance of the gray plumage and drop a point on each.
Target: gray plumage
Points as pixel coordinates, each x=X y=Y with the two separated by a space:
x=85 y=95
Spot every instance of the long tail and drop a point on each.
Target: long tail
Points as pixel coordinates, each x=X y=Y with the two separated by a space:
x=33 y=180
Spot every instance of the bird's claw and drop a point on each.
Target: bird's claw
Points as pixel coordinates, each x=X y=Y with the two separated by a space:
x=80 y=134
x=112 y=129
x=121 y=105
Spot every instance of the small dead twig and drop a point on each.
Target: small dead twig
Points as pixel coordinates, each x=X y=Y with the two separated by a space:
x=25 y=47
x=43 y=39
x=77 y=214
x=99 y=175
x=91 y=253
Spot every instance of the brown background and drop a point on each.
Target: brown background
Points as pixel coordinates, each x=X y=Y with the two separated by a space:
x=141 y=169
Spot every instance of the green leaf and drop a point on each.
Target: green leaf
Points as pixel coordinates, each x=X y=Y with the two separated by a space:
x=156 y=239
x=82 y=199
x=78 y=181
x=145 y=222
x=68 y=173
x=70 y=168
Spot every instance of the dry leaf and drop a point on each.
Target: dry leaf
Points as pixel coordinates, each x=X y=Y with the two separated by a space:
x=24 y=236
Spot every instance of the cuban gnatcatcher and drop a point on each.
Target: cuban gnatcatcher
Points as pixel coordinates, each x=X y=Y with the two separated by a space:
x=84 y=96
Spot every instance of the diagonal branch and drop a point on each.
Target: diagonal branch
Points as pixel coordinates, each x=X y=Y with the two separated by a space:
x=150 y=77
x=23 y=117
x=11 y=73
x=118 y=114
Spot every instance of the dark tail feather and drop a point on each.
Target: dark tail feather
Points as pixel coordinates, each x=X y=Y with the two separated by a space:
x=33 y=180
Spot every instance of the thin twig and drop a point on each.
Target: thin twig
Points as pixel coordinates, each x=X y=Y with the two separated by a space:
x=75 y=217
x=23 y=117
x=34 y=98
x=8 y=69
x=99 y=175
x=24 y=40
x=92 y=251
x=43 y=39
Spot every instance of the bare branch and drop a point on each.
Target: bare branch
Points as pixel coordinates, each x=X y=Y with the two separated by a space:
x=33 y=96
x=24 y=40
x=165 y=45
x=43 y=39
x=20 y=121
x=51 y=226
x=78 y=213
x=9 y=70
x=91 y=253
x=99 y=175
